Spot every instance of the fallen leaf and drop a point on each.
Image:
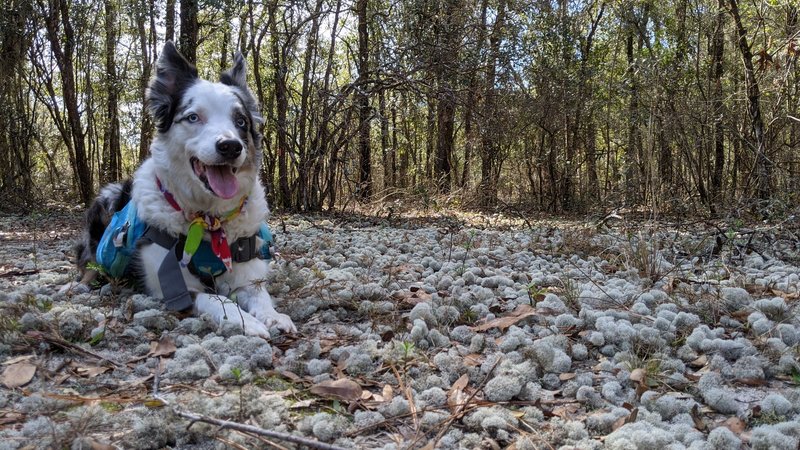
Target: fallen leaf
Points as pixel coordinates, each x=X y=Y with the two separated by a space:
x=457 y=398
x=17 y=359
x=94 y=445
x=303 y=404
x=638 y=375
x=698 y=419
x=630 y=418
x=735 y=424
x=18 y=374
x=521 y=312
x=342 y=389
x=752 y=381
x=699 y=362
x=565 y=411
x=91 y=372
x=387 y=392
x=567 y=376
x=473 y=360
x=164 y=347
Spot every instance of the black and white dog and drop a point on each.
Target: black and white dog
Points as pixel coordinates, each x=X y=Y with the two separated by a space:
x=204 y=168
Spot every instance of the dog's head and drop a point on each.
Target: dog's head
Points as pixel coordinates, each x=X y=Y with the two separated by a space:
x=208 y=132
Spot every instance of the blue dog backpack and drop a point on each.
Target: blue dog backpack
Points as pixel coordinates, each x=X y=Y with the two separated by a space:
x=118 y=244
x=116 y=248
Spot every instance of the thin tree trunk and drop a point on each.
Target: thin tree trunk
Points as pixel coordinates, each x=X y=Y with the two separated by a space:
x=146 y=9
x=190 y=30
x=169 y=35
x=59 y=11
x=763 y=166
x=362 y=102
x=112 y=158
x=717 y=54
x=490 y=148
x=281 y=107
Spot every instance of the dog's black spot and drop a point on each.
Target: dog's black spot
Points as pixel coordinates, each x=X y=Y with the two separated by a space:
x=112 y=198
x=174 y=75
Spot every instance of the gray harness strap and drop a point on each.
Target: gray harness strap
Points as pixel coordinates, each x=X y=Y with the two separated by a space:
x=170 y=277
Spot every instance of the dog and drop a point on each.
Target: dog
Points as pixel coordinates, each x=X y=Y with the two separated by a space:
x=200 y=181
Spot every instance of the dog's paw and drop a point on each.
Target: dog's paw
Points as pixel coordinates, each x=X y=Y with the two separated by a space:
x=74 y=288
x=275 y=319
x=253 y=326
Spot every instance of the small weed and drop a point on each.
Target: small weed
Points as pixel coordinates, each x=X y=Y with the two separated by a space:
x=408 y=350
x=468 y=317
x=536 y=293
x=97 y=338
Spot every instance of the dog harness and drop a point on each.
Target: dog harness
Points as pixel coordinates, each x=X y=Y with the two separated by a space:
x=126 y=232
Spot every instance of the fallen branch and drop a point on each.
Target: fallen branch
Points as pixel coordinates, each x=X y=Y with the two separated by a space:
x=236 y=425
x=69 y=346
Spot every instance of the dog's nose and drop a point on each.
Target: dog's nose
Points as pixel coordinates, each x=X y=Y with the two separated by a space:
x=229 y=148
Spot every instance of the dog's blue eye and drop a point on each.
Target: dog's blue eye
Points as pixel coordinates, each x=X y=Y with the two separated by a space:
x=192 y=118
x=240 y=122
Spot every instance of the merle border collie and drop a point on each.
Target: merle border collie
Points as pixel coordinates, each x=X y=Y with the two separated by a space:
x=204 y=162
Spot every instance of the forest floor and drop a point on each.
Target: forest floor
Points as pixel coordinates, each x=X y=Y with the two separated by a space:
x=439 y=331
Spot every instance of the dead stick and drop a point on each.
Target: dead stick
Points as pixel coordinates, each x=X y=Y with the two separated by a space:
x=240 y=426
x=255 y=430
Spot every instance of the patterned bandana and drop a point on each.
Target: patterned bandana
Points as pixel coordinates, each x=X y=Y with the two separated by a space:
x=202 y=222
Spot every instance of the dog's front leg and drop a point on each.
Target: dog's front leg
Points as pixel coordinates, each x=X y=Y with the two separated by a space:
x=256 y=301
x=221 y=308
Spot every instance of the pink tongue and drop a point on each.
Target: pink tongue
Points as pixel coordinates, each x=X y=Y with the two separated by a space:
x=222 y=181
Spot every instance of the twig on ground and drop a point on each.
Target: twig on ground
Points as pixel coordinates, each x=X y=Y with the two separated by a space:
x=69 y=346
x=236 y=426
x=449 y=422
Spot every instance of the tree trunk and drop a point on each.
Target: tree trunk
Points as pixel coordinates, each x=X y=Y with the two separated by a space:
x=632 y=149
x=170 y=21
x=281 y=107
x=717 y=54
x=763 y=165
x=64 y=56
x=112 y=157
x=490 y=148
x=303 y=153
x=190 y=30
x=362 y=102
x=146 y=40
x=446 y=37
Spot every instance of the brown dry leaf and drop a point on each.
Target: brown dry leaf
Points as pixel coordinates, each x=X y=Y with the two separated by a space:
x=691 y=376
x=567 y=376
x=699 y=362
x=457 y=398
x=366 y=395
x=630 y=418
x=303 y=403
x=17 y=359
x=94 y=445
x=473 y=360
x=565 y=411
x=164 y=347
x=735 y=424
x=521 y=312
x=752 y=381
x=91 y=372
x=638 y=375
x=18 y=374
x=698 y=419
x=342 y=389
x=387 y=392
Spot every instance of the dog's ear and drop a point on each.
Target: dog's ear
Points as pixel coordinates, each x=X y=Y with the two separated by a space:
x=236 y=75
x=174 y=74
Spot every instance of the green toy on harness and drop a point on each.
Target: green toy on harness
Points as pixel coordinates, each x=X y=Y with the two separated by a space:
x=126 y=232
